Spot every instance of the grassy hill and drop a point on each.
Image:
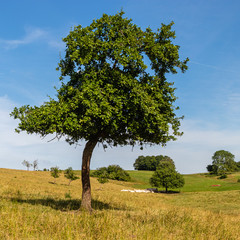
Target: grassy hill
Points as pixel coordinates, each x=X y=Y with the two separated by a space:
x=31 y=207
x=193 y=182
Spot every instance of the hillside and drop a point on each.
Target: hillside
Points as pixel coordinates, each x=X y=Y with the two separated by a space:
x=193 y=182
x=31 y=207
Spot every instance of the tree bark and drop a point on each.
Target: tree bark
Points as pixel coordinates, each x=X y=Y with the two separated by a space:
x=86 y=186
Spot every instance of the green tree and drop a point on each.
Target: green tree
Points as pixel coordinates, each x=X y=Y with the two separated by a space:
x=223 y=162
x=150 y=163
x=70 y=174
x=238 y=166
x=166 y=176
x=55 y=172
x=140 y=163
x=111 y=97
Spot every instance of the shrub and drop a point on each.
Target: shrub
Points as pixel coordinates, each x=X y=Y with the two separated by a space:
x=114 y=172
x=223 y=176
x=68 y=195
x=102 y=180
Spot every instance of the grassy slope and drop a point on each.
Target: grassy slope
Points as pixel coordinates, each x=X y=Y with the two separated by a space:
x=31 y=207
x=193 y=182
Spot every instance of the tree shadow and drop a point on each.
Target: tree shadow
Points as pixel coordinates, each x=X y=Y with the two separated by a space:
x=169 y=192
x=65 y=205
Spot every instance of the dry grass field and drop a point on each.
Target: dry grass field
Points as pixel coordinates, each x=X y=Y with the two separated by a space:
x=32 y=207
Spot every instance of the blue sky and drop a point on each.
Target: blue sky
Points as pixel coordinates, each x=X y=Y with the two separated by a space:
x=208 y=93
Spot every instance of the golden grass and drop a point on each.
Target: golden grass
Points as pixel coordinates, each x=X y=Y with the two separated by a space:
x=31 y=207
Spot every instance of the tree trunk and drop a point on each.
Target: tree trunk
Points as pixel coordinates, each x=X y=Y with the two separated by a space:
x=86 y=187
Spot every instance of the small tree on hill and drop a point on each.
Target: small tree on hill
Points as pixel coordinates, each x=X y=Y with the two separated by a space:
x=35 y=164
x=166 y=176
x=223 y=162
x=26 y=164
x=55 y=172
x=70 y=174
x=111 y=97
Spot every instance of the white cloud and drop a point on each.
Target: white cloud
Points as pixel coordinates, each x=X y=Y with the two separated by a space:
x=33 y=35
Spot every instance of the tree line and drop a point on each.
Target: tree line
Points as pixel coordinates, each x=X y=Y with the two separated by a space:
x=150 y=163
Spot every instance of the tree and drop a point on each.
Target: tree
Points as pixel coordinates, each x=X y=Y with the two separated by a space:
x=26 y=164
x=70 y=174
x=35 y=164
x=238 y=166
x=55 y=172
x=111 y=97
x=223 y=162
x=150 y=163
x=166 y=176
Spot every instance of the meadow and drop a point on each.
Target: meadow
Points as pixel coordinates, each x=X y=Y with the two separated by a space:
x=32 y=207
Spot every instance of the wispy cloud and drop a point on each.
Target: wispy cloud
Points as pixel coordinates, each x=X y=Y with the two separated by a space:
x=32 y=35
x=215 y=67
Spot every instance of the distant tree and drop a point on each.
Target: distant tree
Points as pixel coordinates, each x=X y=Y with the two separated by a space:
x=114 y=172
x=26 y=164
x=150 y=163
x=162 y=158
x=223 y=162
x=238 y=165
x=166 y=176
x=55 y=172
x=35 y=164
x=70 y=174
x=108 y=95
x=140 y=163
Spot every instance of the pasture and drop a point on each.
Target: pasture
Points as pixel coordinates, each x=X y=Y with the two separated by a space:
x=32 y=207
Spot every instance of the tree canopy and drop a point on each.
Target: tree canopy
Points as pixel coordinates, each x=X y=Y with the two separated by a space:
x=70 y=174
x=222 y=162
x=114 y=172
x=150 y=163
x=111 y=97
x=166 y=176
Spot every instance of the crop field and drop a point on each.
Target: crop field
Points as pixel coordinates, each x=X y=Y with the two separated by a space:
x=32 y=207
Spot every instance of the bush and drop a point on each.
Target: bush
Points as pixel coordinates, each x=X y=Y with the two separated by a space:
x=223 y=176
x=114 y=172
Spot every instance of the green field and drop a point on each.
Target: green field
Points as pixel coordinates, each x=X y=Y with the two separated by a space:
x=31 y=207
x=193 y=182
